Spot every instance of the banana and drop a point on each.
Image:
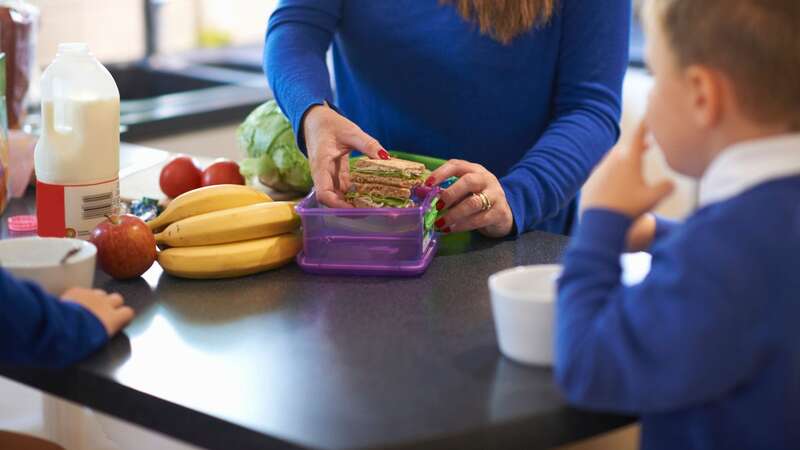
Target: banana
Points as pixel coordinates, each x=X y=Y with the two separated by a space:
x=232 y=259
x=232 y=225
x=205 y=200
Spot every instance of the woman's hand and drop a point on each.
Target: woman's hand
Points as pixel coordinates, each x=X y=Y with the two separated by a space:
x=467 y=210
x=330 y=138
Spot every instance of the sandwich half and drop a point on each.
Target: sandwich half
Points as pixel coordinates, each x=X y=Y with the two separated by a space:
x=384 y=184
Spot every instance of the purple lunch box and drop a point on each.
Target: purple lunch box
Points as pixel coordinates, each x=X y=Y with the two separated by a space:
x=373 y=242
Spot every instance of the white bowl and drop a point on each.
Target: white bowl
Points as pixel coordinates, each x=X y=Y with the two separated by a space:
x=523 y=305
x=39 y=260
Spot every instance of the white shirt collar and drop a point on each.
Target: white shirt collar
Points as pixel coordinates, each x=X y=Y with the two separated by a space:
x=748 y=164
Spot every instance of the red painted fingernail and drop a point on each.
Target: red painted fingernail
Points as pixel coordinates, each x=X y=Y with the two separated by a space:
x=430 y=182
x=440 y=205
x=383 y=154
x=439 y=223
x=446 y=230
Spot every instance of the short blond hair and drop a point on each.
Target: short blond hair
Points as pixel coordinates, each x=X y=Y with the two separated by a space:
x=755 y=43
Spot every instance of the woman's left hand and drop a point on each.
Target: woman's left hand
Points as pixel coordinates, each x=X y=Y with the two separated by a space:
x=475 y=202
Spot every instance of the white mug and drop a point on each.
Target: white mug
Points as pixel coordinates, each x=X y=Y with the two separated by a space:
x=39 y=260
x=523 y=305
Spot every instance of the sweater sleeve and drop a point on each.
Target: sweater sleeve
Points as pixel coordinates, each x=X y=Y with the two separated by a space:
x=593 y=57
x=664 y=228
x=298 y=37
x=38 y=329
x=685 y=335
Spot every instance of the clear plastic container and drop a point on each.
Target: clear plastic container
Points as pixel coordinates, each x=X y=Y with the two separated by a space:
x=379 y=242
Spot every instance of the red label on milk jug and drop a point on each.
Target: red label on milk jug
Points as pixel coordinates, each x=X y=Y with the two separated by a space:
x=74 y=210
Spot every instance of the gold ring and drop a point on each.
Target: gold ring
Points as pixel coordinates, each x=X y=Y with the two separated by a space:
x=486 y=204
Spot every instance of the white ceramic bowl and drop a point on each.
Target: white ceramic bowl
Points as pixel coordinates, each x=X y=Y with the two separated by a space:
x=39 y=260
x=523 y=305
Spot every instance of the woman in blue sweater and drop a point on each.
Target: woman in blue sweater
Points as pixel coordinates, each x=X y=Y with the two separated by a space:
x=527 y=91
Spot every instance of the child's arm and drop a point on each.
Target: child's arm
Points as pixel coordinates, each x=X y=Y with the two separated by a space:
x=684 y=336
x=39 y=329
x=679 y=338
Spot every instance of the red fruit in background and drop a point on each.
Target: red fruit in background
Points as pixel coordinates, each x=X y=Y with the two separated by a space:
x=126 y=247
x=222 y=171
x=180 y=175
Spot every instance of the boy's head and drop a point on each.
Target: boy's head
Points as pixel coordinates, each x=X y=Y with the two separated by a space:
x=725 y=71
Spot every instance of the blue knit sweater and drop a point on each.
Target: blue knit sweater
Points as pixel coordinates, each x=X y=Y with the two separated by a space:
x=37 y=329
x=707 y=348
x=539 y=113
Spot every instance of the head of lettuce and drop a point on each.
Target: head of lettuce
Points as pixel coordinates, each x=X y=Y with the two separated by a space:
x=273 y=158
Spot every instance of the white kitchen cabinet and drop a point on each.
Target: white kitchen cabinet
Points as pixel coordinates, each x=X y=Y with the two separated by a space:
x=31 y=412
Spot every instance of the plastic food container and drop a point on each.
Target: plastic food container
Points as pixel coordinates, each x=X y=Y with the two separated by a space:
x=377 y=242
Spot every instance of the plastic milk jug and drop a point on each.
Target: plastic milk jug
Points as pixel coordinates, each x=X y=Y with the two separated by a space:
x=77 y=156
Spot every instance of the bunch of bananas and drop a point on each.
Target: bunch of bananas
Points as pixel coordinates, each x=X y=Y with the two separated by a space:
x=225 y=231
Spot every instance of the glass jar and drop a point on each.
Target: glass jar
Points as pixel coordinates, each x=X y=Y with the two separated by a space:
x=18 y=29
x=5 y=174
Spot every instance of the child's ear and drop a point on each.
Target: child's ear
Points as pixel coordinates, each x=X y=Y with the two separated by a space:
x=705 y=95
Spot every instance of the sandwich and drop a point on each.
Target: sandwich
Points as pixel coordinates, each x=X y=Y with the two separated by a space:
x=377 y=183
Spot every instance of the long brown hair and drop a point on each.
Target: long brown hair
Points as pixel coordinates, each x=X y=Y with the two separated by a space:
x=504 y=20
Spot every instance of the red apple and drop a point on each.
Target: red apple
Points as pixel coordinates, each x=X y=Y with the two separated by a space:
x=180 y=175
x=222 y=171
x=126 y=247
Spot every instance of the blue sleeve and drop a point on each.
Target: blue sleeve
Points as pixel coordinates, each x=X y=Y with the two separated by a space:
x=298 y=37
x=37 y=329
x=687 y=334
x=664 y=228
x=593 y=58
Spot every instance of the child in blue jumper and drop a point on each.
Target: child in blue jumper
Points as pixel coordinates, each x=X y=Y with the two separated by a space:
x=707 y=348
x=38 y=329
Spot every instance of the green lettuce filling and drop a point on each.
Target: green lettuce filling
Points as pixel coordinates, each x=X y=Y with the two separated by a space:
x=431 y=215
x=392 y=202
x=388 y=173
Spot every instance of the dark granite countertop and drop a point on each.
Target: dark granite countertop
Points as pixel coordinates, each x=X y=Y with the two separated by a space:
x=289 y=360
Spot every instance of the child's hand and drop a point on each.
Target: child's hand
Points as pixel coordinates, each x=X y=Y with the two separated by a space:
x=618 y=183
x=108 y=308
x=642 y=233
